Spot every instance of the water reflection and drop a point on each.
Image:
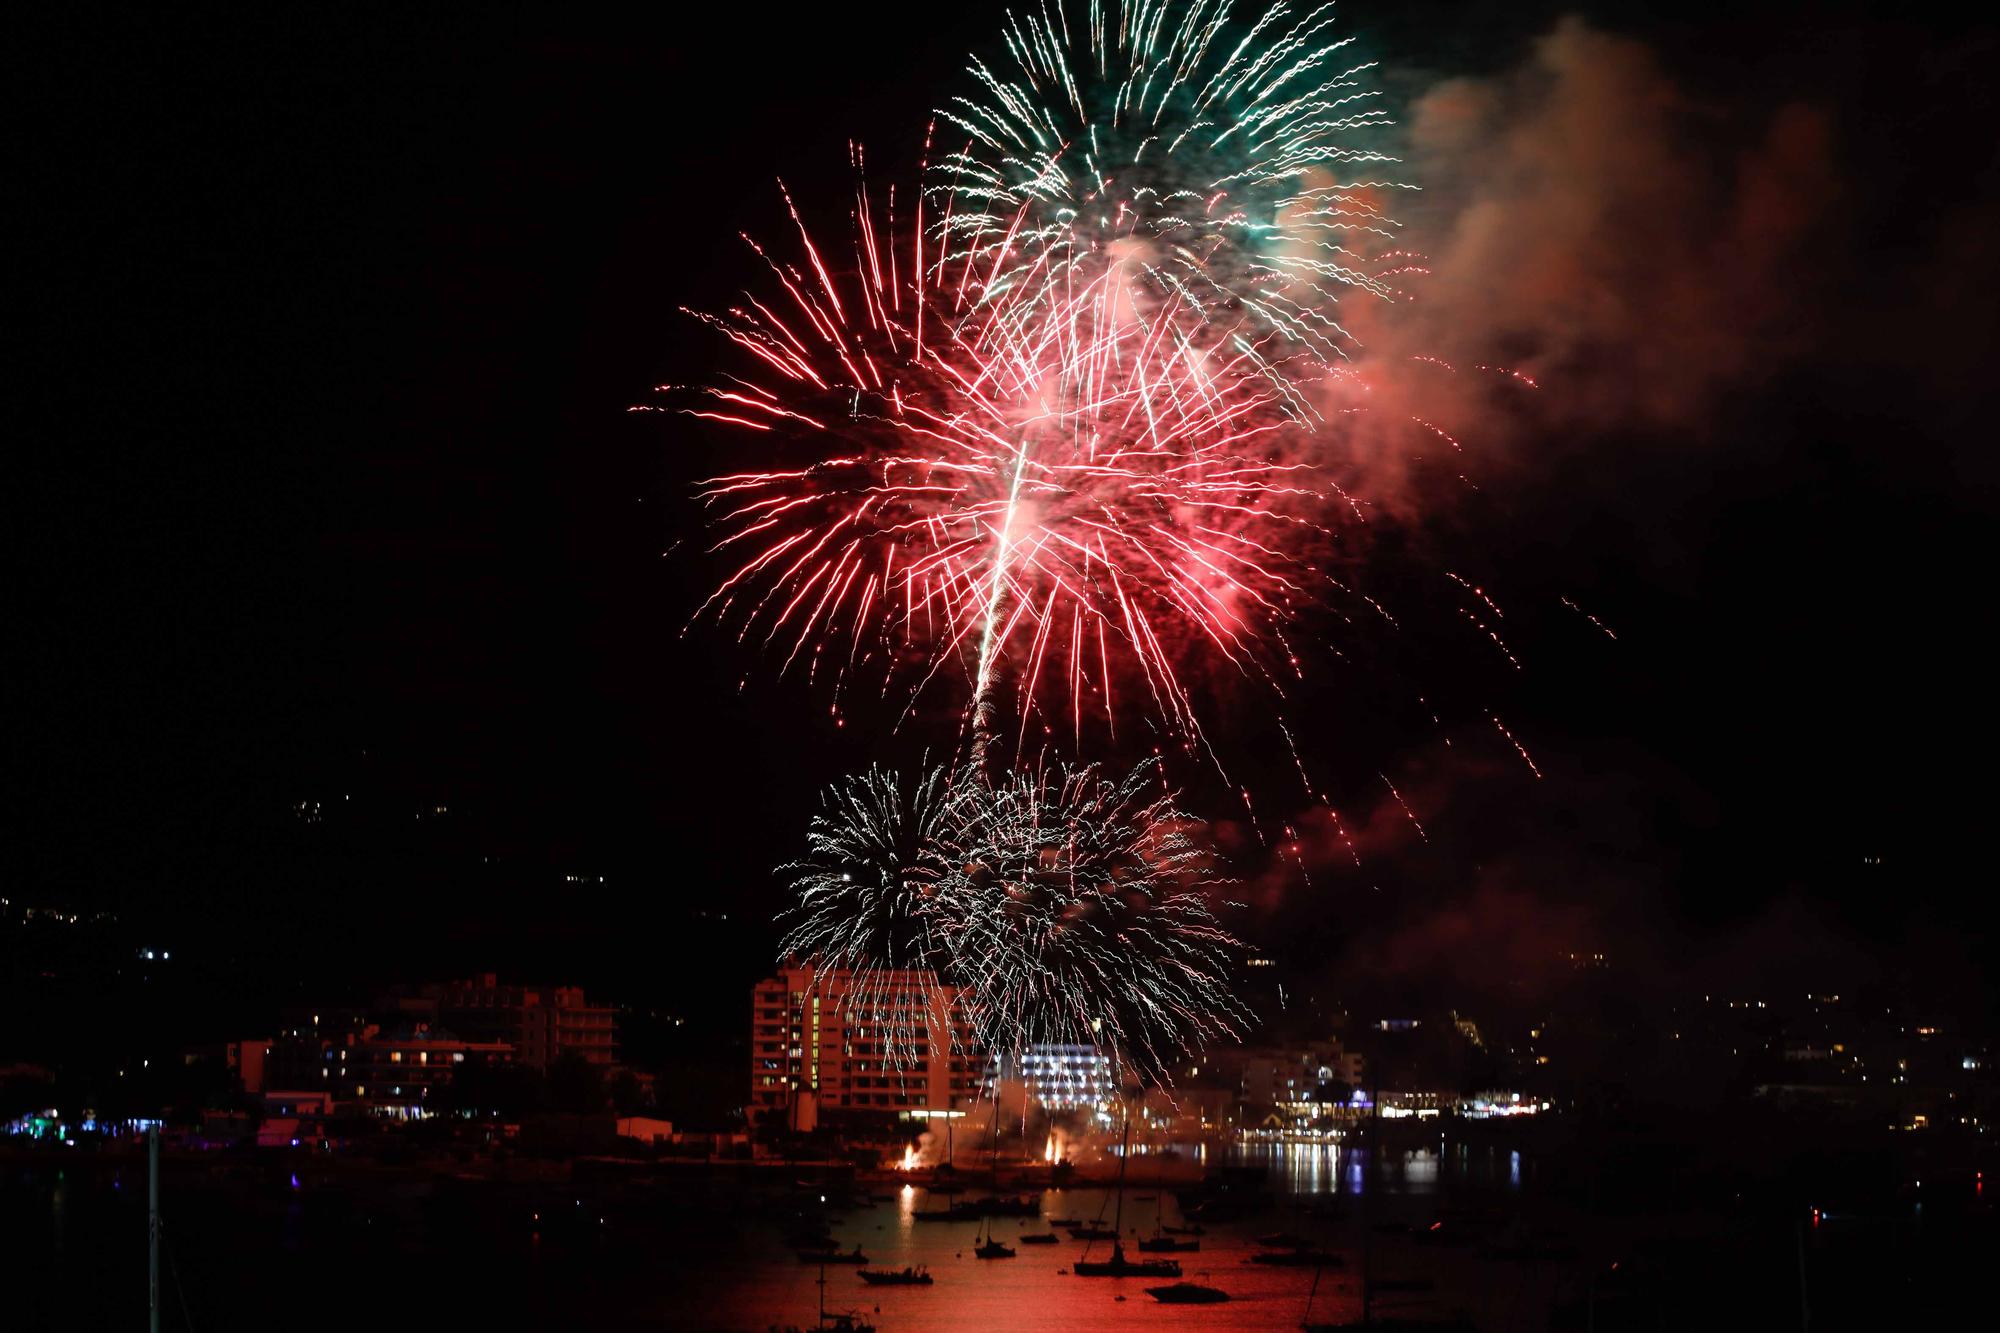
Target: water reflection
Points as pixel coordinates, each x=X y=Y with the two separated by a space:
x=1344 y=1168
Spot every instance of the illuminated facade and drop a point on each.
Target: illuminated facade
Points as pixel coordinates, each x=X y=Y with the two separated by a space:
x=820 y=1048
x=1063 y=1078
x=1298 y=1082
x=403 y=1073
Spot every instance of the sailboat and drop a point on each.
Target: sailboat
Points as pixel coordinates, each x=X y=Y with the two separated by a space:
x=1118 y=1265
x=849 y=1322
x=990 y=1247
x=1162 y=1243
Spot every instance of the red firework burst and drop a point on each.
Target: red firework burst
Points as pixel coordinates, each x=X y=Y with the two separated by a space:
x=1052 y=480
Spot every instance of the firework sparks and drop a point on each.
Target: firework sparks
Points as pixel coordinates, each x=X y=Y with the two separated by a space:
x=1056 y=427
x=1602 y=628
x=863 y=890
x=1409 y=813
x=1200 y=151
x=1064 y=905
x=1040 y=483
x=1519 y=748
x=1079 y=920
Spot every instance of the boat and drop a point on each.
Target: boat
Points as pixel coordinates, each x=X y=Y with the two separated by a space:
x=1038 y=1238
x=1284 y=1240
x=1026 y=1205
x=840 y=1322
x=1399 y=1323
x=1187 y=1293
x=855 y=1256
x=889 y=1277
x=1192 y=1229
x=990 y=1247
x=1119 y=1266
x=833 y=1255
x=1092 y=1232
x=1168 y=1245
x=1298 y=1259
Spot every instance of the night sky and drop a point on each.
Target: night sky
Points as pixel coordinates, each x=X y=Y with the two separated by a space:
x=326 y=490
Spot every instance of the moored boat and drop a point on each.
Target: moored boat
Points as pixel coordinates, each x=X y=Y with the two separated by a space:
x=1298 y=1259
x=1168 y=1245
x=1187 y=1293
x=1119 y=1266
x=854 y=1256
x=1025 y=1205
x=1284 y=1240
x=1092 y=1232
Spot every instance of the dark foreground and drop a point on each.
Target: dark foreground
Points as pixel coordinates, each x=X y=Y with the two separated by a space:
x=1644 y=1237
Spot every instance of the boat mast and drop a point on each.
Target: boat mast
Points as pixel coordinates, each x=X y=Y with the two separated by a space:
x=1367 y=1200
x=1124 y=1153
x=153 y=1229
x=993 y=1149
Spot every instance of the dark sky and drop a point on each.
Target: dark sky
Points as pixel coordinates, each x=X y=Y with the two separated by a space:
x=325 y=488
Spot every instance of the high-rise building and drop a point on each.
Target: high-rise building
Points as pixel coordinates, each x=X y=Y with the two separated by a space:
x=1063 y=1077
x=900 y=1048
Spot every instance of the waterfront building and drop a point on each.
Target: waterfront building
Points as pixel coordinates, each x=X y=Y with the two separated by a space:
x=403 y=1073
x=541 y=1023
x=899 y=1049
x=1299 y=1082
x=1063 y=1077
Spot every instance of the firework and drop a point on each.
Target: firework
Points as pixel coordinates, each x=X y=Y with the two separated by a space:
x=1051 y=492
x=1221 y=157
x=1079 y=918
x=865 y=893
x=1062 y=906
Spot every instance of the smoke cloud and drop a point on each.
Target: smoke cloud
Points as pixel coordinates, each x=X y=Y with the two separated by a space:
x=1588 y=223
